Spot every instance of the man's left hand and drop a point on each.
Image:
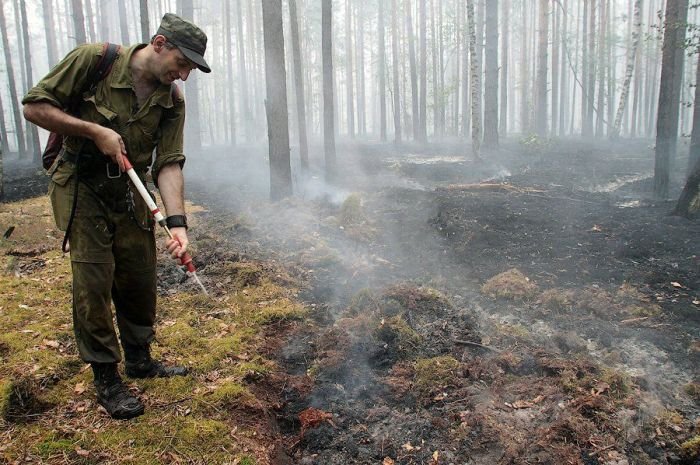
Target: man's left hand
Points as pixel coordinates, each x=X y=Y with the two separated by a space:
x=178 y=244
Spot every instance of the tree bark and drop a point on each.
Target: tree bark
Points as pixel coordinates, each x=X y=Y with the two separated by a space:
x=414 y=73
x=541 y=95
x=476 y=83
x=228 y=47
x=360 y=94
x=556 y=42
x=193 y=120
x=78 y=21
x=14 y=96
x=692 y=185
x=276 y=103
x=299 y=87
x=328 y=92
x=382 y=73
x=602 y=68
x=246 y=116
x=422 y=111
x=669 y=94
x=47 y=7
x=123 y=25
x=505 y=44
x=629 y=70
x=146 y=27
x=395 y=70
x=524 y=74
x=491 y=84
x=350 y=108
x=34 y=146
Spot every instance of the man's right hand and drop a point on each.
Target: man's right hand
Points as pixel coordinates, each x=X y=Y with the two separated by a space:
x=111 y=144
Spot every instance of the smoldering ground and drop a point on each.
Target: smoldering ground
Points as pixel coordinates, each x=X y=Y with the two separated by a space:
x=502 y=311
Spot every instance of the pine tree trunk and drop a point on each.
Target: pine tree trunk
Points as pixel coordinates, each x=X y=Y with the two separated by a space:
x=629 y=70
x=694 y=154
x=276 y=102
x=466 y=72
x=435 y=66
x=78 y=21
x=422 y=111
x=328 y=92
x=33 y=144
x=146 y=28
x=524 y=74
x=90 y=21
x=47 y=7
x=230 y=94
x=14 y=96
x=245 y=111
x=476 y=83
x=395 y=70
x=192 y=121
x=505 y=44
x=590 y=79
x=441 y=99
x=556 y=41
x=602 y=68
x=669 y=94
x=541 y=94
x=299 y=87
x=691 y=189
x=382 y=73
x=349 y=105
x=414 y=73
x=360 y=67
x=564 y=72
x=491 y=84
x=4 y=145
x=123 y=25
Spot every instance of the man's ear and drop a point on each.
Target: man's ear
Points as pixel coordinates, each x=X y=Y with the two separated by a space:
x=159 y=42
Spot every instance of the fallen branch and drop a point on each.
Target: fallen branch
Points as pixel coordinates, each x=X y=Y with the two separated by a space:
x=475 y=344
x=634 y=320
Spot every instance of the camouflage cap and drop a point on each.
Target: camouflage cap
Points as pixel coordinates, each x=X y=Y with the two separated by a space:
x=190 y=39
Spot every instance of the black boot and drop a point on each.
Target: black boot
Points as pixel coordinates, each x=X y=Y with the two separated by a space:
x=139 y=364
x=113 y=395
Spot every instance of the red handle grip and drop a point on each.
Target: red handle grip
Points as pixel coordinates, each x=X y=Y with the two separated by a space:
x=127 y=164
x=186 y=261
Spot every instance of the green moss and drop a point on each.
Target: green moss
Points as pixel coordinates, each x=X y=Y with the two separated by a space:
x=52 y=446
x=351 y=212
x=363 y=302
x=435 y=373
x=280 y=310
x=247 y=460
x=620 y=383
x=691 y=448
x=511 y=284
x=397 y=333
x=230 y=394
x=5 y=393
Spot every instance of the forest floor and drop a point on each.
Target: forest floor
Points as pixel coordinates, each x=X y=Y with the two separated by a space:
x=533 y=307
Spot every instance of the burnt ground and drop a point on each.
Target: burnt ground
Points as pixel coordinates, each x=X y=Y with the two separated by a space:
x=534 y=307
x=422 y=351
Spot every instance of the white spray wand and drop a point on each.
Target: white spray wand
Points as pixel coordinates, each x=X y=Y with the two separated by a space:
x=186 y=259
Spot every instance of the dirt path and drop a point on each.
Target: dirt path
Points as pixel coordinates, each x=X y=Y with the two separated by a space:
x=588 y=353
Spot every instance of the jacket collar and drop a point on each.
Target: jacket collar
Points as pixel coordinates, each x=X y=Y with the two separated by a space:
x=120 y=78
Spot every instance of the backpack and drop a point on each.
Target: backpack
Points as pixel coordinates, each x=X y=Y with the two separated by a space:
x=104 y=66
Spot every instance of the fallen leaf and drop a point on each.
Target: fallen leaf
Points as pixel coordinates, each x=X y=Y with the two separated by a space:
x=81 y=452
x=79 y=388
x=409 y=448
x=50 y=343
x=676 y=284
x=388 y=461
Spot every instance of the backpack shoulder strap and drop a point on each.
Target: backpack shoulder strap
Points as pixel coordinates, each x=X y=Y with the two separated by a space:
x=104 y=64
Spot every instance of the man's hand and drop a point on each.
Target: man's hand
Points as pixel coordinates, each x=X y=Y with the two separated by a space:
x=111 y=144
x=178 y=244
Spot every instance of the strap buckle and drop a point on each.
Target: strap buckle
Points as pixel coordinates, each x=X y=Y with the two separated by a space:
x=109 y=171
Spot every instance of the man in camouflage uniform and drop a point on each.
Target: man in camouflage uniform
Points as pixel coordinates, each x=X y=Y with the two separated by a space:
x=135 y=109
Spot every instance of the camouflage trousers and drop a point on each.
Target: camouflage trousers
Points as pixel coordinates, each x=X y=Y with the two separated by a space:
x=113 y=259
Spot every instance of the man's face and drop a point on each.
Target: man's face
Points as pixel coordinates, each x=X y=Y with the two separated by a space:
x=173 y=65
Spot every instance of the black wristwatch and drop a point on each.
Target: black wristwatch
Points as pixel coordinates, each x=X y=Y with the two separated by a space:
x=176 y=221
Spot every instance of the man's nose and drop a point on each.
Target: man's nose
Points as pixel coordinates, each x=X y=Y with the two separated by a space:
x=184 y=74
